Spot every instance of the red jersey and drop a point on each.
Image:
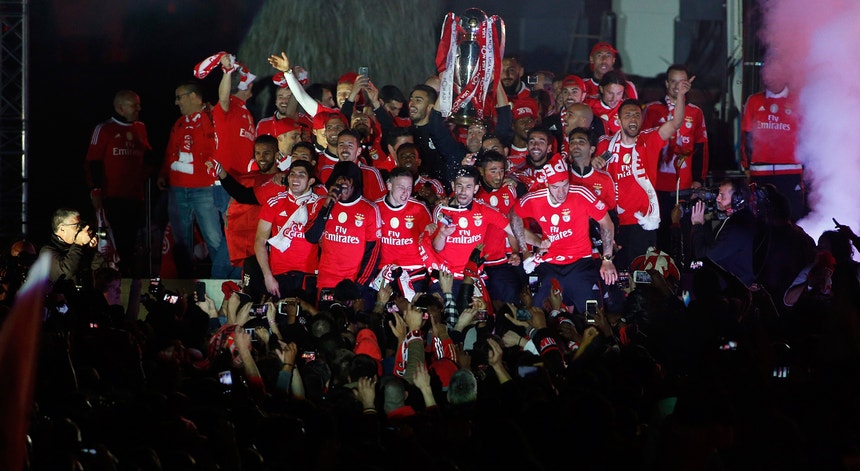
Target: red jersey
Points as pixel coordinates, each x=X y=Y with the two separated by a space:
x=592 y=90
x=234 y=136
x=120 y=147
x=565 y=224
x=349 y=228
x=373 y=187
x=680 y=149
x=598 y=182
x=472 y=226
x=516 y=157
x=634 y=169
x=400 y=230
x=266 y=126
x=191 y=144
x=435 y=184
x=279 y=210
x=496 y=246
x=611 y=123
x=534 y=178
x=772 y=121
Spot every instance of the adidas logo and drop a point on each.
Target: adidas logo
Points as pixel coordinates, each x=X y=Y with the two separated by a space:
x=761 y=108
x=543 y=219
x=283 y=213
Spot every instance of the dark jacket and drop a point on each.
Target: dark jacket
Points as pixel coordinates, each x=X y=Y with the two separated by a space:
x=729 y=244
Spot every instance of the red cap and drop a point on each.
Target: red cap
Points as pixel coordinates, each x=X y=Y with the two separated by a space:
x=444 y=369
x=573 y=81
x=348 y=77
x=603 y=46
x=524 y=107
x=282 y=126
x=556 y=170
x=657 y=260
x=324 y=115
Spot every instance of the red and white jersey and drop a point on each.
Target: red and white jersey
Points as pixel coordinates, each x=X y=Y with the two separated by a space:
x=565 y=225
x=432 y=182
x=472 y=225
x=401 y=228
x=325 y=159
x=678 y=151
x=609 y=116
x=120 y=147
x=373 y=186
x=191 y=144
x=535 y=178
x=592 y=89
x=496 y=246
x=301 y=255
x=598 y=182
x=516 y=157
x=234 y=137
x=349 y=228
x=633 y=169
x=266 y=126
x=772 y=121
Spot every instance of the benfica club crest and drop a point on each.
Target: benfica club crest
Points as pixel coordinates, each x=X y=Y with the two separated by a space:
x=359 y=220
x=565 y=215
x=479 y=219
x=409 y=221
x=597 y=188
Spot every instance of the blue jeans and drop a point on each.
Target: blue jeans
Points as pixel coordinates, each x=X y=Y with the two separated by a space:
x=185 y=205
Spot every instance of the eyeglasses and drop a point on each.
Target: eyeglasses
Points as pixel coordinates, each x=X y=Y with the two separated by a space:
x=76 y=224
x=178 y=97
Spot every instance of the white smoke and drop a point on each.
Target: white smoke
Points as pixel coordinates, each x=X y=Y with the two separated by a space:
x=812 y=46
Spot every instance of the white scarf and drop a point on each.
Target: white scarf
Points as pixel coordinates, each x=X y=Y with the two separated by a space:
x=651 y=220
x=296 y=222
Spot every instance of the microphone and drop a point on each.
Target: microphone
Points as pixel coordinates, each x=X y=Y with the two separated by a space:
x=326 y=211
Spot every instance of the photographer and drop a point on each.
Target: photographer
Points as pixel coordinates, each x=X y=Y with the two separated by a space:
x=729 y=245
x=73 y=249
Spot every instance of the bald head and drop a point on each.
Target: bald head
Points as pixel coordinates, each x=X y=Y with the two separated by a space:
x=126 y=103
x=579 y=115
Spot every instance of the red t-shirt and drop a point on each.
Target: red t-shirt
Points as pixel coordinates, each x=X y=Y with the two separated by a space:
x=611 y=123
x=772 y=120
x=301 y=255
x=348 y=229
x=191 y=144
x=516 y=157
x=599 y=183
x=630 y=195
x=565 y=224
x=120 y=147
x=496 y=246
x=400 y=230
x=234 y=136
x=692 y=132
x=472 y=226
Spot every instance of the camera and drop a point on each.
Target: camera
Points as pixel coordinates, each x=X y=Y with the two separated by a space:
x=481 y=315
x=707 y=196
x=309 y=356
x=100 y=231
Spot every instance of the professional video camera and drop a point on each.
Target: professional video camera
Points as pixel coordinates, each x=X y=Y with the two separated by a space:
x=706 y=195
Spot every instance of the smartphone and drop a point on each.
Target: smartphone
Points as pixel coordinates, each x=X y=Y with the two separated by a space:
x=523 y=314
x=729 y=345
x=481 y=315
x=171 y=297
x=309 y=356
x=391 y=307
x=623 y=279
x=225 y=377
x=531 y=79
x=327 y=295
x=533 y=284
x=641 y=277
x=259 y=310
x=200 y=291
x=287 y=306
x=364 y=71
x=590 y=310
x=555 y=285
x=524 y=371
x=155 y=285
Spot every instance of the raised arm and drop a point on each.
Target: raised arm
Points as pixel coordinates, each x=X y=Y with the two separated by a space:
x=669 y=128
x=282 y=63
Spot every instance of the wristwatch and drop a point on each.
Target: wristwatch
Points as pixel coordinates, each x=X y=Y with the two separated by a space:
x=607 y=258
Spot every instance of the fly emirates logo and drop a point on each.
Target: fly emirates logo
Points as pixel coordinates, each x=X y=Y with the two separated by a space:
x=464 y=237
x=340 y=235
x=394 y=238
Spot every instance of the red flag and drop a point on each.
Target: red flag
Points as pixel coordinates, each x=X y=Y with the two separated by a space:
x=19 y=344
